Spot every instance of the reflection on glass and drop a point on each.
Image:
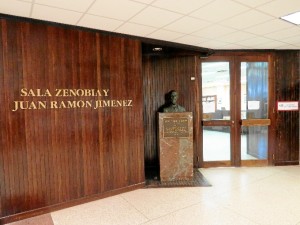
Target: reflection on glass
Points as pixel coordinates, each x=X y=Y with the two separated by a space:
x=216 y=150
x=216 y=90
x=254 y=105
x=254 y=143
x=254 y=90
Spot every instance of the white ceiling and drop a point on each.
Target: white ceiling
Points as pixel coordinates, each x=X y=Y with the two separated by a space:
x=215 y=24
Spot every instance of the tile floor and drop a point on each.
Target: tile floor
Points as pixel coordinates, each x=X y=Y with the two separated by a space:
x=238 y=196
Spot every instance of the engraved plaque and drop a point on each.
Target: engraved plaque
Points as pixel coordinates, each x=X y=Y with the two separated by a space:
x=175 y=127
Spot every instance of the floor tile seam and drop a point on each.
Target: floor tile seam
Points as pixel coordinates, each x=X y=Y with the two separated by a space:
x=217 y=195
x=292 y=175
x=262 y=178
x=254 y=180
x=281 y=172
x=194 y=203
x=239 y=187
x=176 y=210
x=285 y=172
x=149 y=219
x=212 y=197
x=236 y=187
x=241 y=215
x=196 y=194
x=245 y=216
x=170 y=213
x=282 y=169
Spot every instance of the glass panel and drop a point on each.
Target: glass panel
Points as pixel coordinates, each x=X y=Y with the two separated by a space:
x=216 y=150
x=254 y=105
x=254 y=90
x=216 y=91
x=254 y=143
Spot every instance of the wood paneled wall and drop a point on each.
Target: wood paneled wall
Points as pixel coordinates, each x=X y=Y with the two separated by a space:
x=162 y=74
x=55 y=156
x=287 y=82
x=52 y=157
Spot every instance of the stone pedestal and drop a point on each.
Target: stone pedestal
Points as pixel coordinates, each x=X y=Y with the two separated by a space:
x=176 y=146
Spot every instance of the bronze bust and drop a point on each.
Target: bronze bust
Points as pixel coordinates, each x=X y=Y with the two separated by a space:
x=173 y=106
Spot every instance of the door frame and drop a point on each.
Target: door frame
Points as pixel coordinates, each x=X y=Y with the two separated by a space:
x=234 y=59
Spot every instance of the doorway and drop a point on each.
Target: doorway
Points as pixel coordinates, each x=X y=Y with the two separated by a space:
x=235 y=97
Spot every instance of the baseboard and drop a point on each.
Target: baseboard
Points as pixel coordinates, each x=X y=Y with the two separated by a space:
x=52 y=208
x=286 y=163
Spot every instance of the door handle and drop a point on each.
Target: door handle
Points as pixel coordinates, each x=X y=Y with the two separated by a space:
x=256 y=122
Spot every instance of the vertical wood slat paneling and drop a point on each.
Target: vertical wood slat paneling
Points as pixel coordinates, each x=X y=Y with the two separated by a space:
x=2 y=125
x=287 y=122
x=55 y=156
x=160 y=75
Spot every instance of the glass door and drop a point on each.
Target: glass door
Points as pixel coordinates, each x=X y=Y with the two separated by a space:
x=216 y=108
x=254 y=119
x=235 y=111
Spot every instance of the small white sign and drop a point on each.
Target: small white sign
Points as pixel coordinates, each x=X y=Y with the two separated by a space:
x=253 y=105
x=287 y=106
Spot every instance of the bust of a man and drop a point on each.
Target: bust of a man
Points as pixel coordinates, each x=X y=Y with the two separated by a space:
x=173 y=106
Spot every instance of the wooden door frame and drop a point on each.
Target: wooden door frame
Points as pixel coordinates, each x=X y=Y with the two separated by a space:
x=227 y=123
x=234 y=58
